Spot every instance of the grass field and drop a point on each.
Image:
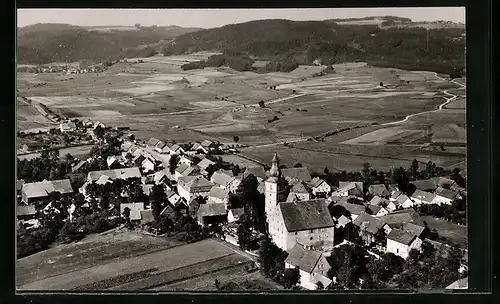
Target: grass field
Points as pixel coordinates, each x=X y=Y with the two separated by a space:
x=80 y=152
x=455 y=233
x=129 y=261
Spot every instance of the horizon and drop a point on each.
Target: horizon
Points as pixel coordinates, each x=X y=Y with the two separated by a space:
x=211 y=18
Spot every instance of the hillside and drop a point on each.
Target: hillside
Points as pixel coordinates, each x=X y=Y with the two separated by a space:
x=440 y=50
x=44 y=43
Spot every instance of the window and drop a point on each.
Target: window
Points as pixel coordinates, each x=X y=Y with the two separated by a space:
x=397 y=250
x=295 y=233
x=311 y=238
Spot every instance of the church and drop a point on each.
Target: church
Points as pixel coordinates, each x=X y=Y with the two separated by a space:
x=306 y=223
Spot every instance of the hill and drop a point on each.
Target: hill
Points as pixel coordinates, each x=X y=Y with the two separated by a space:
x=45 y=43
x=414 y=48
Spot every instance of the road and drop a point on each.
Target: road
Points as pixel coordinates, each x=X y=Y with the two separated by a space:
x=440 y=107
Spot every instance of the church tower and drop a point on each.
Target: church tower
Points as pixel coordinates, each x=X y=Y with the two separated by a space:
x=272 y=184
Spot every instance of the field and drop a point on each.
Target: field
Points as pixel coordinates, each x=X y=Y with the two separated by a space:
x=156 y=98
x=455 y=233
x=80 y=152
x=131 y=261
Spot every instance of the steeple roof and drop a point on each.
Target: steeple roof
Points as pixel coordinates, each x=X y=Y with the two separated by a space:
x=275 y=168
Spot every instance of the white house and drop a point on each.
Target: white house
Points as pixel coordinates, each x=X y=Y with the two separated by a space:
x=148 y=165
x=233 y=215
x=401 y=242
x=377 y=210
x=312 y=265
x=301 y=191
x=185 y=160
x=349 y=188
x=402 y=201
x=320 y=187
x=444 y=196
x=134 y=209
x=225 y=180
x=421 y=197
x=176 y=149
x=67 y=126
x=204 y=163
x=193 y=186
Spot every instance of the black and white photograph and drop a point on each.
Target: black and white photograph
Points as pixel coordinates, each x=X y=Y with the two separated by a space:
x=241 y=150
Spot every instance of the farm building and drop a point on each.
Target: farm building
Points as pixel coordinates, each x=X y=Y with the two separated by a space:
x=152 y=142
x=444 y=196
x=183 y=170
x=114 y=162
x=369 y=226
x=313 y=266
x=379 y=190
x=211 y=214
x=168 y=211
x=176 y=149
x=208 y=145
x=296 y=174
x=122 y=173
x=354 y=209
x=379 y=201
x=397 y=220
x=402 y=201
x=190 y=186
x=197 y=147
x=67 y=126
x=342 y=221
x=377 y=210
x=32 y=192
x=204 y=163
x=421 y=197
x=186 y=160
x=225 y=180
x=349 y=188
x=401 y=242
x=319 y=187
x=446 y=183
x=217 y=195
x=32 y=146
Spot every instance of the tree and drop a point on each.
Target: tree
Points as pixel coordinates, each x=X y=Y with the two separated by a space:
x=217 y=283
x=298 y=165
x=381 y=84
x=414 y=169
x=99 y=132
x=319 y=286
x=236 y=138
x=326 y=171
x=291 y=277
x=337 y=211
x=261 y=104
x=243 y=232
x=172 y=163
x=430 y=170
x=157 y=199
x=400 y=179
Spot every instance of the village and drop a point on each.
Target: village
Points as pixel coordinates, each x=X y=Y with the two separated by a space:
x=157 y=186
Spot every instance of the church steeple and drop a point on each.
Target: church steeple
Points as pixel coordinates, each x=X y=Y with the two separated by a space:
x=275 y=167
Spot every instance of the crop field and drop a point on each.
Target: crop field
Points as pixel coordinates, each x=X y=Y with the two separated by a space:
x=128 y=260
x=240 y=161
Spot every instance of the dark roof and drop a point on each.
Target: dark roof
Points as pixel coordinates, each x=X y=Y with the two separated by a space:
x=379 y=189
x=257 y=171
x=399 y=219
x=445 y=193
x=401 y=199
x=413 y=229
x=306 y=260
x=122 y=173
x=204 y=163
x=153 y=141
x=441 y=181
x=306 y=215
x=370 y=223
x=425 y=184
x=352 y=208
x=300 y=187
x=211 y=209
x=377 y=200
x=237 y=212
x=316 y=182
x=401 y=236
x=423 y=195
x=301 y=174
x=373 y=208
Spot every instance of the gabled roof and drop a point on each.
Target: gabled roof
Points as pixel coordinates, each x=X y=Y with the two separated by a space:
x=300 y=187
x=399 y=219
x=312 y=214
x=449 y=194
x=217 y=192
x=214 y=209
x=237 y=212
x=257 y=171
x=158 y=176
x=413 y=229
x=221 y=178
x=135 y=210
x=442 y=181
x=175 y=148
x=422 y=195
x=195 y=184
x=301 y=174
x=343 y=220
x=204 y=163
x=392 y=187
x=306 y=260
x=425 y=184
x=396 y=194
x=316 y=182
x=181 y=168
x=368 y=222
x=152 y=141
x=352 y=208
x=379 y=189
x=43 y=188
x=374 y=208
x=347 y=186
x=160 y=145
x=401 y=236
x=459 y=284
x=103 y=180
x=78 y=166
x=401 y=199
x=122 y=173
x=377 y=200
x=292 y=197
x=206 y=143
x=168 y=208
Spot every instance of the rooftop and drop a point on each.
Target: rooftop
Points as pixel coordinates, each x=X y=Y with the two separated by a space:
x=312 y=214
x=212 y=209
x=301 y=174
x=425 y=184
x=445 y=193
x=352 y=208
x=401 y=236
x=306 y=260
x=422 y=195
x=368 y=222
x=43 y=188
x=122 y=173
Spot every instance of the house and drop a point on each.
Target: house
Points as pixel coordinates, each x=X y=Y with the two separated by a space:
x=379 y=190
x=160 y=177
x=183 y=170
x=319 y=187
x=400 y=242
x=165 y=149
x=173 y=198
x=99 y=124
x=88 y=123
x=349 y=188
x=354 y=209
x=379 y=201
x=147 y=216
x=134 y=209
x=123 y=173
x=369 y=226
x=181 y=206
x=204 y=164
x=209 y=214
x=234 y=214
x=225 y=180
x=176 y=149
x=293 y=175
x=184 y=159
x=79 y=166
x=395 y=195
x=443 y=182
x=312 y=265
x=190 y=186
x=148 y=165
x=444 y=196
x=421 y=231
x=421 y=197
x=194 y=204
x=257 y=171
x=159 y=146
x=208 y=145
x=342 y=221
x=67 y=126
x=424 y=184
x=114 y=162
x=217 y=195
x=402 y=201
x=197 y=147
x=398 y=220
x=304 y=223
x=301 y=191
x=377 y=210
x=25 y=212
x=32 y=192
x=152 y=142
x=32 y=146
x=168 y=211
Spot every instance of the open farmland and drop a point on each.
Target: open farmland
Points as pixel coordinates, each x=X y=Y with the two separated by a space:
x=119 y=260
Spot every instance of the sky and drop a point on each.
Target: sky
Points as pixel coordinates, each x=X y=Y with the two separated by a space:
x=209 y=18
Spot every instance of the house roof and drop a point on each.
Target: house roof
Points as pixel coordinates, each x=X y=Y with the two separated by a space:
x=147 y=216
x=413 y=229
x=301 y=174
x=221 y=178
x=122 y=173
x=168 y=208
x=22 y=210
x=445 y=193
x=316 y=182
x=158 y=176
x=374 y=208
x=257 y=171
x=261 y=188
x=459 y=284
x=237 y=212
x=212 y=209
x=346 y=186
x=43 y=188
x=160 y=145
x=343 y=220
x=442 y=181
x=217 y=192
x=175 y=148
x=378 y=189
x=152 y=141
x=401 y=236
x=300 y=187
x=135 y=210
x=147 y=188
x=377 y=200
x=370 y=223
x=411 y=211
x=292 y=197
x=401 y=199
x=206 y=143
x=396 y=194
x=204 y=163
x=422 y=195
x=399 y=219
x=196 y=183
x=425 y=184
x=306 y=260
x=312 y=214
x=352 y=208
